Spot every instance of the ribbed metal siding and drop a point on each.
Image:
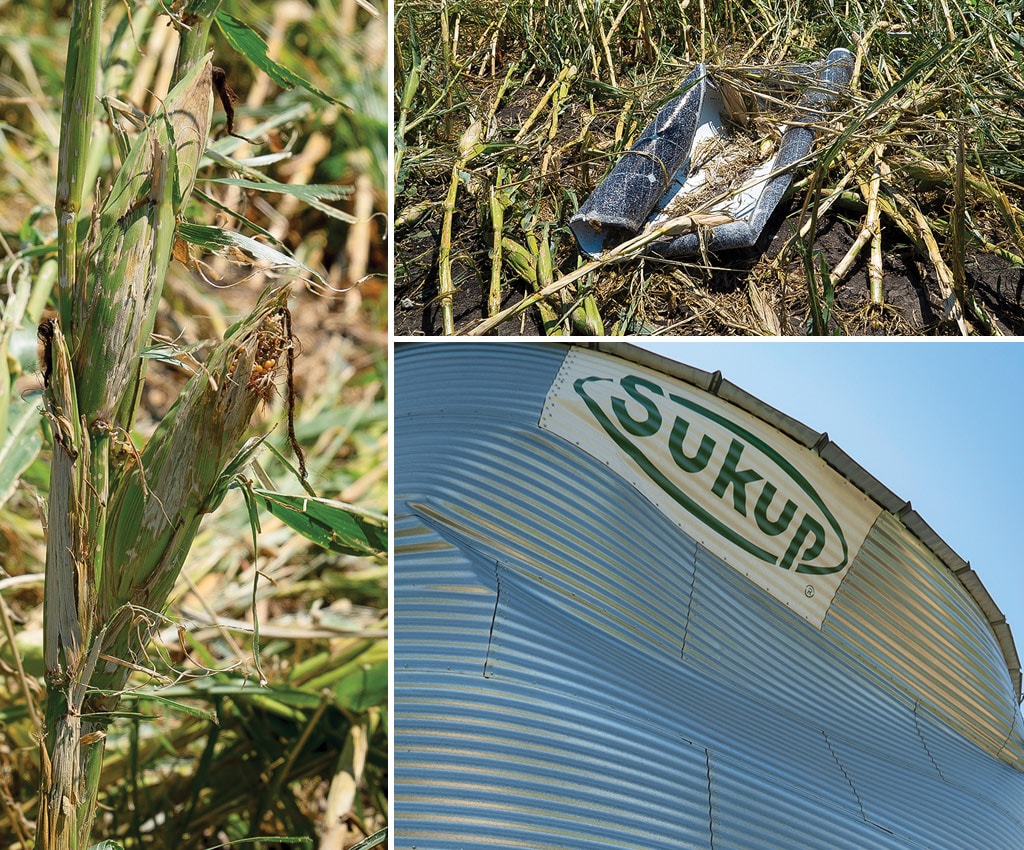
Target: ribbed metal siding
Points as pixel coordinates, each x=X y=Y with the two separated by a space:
x=760 y=811
x=535 y=648
x=480 y=762
x=444 y=581
x=951 y=816
x=533 y=774
x=634 y=691
x=903 y=612
x=472 y=753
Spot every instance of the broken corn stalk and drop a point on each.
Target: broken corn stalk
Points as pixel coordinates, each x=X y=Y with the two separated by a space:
x=107 y=296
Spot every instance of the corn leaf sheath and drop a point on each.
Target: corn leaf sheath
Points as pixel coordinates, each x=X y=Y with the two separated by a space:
x=155 y=510
x=95 y=368
x=114 y=305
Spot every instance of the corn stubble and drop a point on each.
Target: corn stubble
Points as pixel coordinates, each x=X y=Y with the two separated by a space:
x=121 y=521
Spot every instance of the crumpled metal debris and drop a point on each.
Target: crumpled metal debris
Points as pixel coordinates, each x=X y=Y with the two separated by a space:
x=687 y=161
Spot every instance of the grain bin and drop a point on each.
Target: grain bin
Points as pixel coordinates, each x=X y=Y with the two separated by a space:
x=637 y=607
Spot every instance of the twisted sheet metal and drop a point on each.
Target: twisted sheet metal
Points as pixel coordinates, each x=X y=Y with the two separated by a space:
x=572 y=670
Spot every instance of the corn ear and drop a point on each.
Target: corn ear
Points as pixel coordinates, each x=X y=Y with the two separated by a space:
x=520 y=259
x=586 y=318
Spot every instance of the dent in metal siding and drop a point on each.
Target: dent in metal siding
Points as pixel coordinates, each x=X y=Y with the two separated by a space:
x=902 y=612
x=529 y=518
x=954 y=817
x=568 y=668
x=638 y=691
x=760 y=811
x=543 y=647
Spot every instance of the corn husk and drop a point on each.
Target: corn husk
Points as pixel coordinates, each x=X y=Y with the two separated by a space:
x=156 y=509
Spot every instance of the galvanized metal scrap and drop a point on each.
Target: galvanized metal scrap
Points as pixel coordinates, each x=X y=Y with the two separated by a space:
x=668 y=167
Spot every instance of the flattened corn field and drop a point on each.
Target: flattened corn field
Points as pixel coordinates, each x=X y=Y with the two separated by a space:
x=910 y=220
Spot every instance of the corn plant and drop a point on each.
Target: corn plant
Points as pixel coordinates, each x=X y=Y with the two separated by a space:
x=120 y=519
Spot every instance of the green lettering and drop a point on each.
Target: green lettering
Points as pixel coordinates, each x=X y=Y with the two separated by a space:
x=638 y=428
x=730 y=475
x=808 y=526
x=781 y=523
x=687 y=463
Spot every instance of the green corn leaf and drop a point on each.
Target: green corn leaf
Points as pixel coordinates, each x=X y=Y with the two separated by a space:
x=334 y=525
x=364 y=687
x=232 y=472
x=281 y=700
x=359 y=683
x=310 y=194
x=219 y=150
x=172 y=354
x=372 y=841
x=235 y=214
x=21 y=445
x=182 y=706
x=313 y=667
x=303 y=191
x=247 y=42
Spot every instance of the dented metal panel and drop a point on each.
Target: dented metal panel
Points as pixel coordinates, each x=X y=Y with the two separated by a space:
x=577 y=667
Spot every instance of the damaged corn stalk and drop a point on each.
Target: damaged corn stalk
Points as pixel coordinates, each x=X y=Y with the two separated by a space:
x=158 y=502
x=121 y=521
x=113 y=305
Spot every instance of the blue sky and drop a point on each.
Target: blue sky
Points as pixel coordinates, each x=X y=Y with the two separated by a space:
x=941 y=424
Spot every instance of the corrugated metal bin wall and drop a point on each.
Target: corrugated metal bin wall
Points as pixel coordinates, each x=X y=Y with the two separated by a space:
x=573 y=670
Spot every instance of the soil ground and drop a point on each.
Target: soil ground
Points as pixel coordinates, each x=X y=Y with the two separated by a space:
x=739 y=296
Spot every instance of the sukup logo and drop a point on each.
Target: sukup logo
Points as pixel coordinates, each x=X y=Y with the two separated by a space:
x=728 y=478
